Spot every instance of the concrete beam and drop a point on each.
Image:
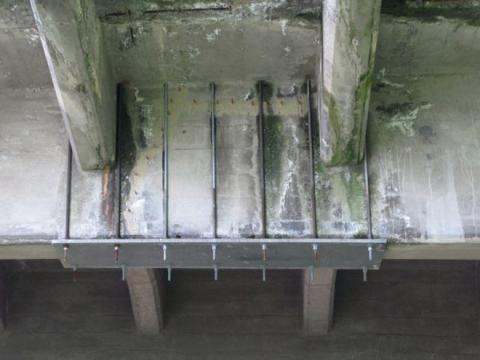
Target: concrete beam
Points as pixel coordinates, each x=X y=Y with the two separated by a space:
x=318 y=298
x=71 y=37
x=350 y=32
x=147 y=296
x=3 y=298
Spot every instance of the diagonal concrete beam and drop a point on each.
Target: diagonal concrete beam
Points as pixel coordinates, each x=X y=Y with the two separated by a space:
x=147 y=296
x=318 y=299
x=350 y=32
x=3 y=298
x=71 y=36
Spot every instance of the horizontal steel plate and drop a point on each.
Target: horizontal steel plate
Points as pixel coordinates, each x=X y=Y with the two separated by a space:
x=222 y=253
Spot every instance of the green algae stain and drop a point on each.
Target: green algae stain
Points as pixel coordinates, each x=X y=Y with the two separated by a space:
x=274 y=144
x=341 y=153
x=470 y=15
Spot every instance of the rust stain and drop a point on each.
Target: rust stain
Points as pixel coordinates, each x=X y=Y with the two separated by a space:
x=107 y=195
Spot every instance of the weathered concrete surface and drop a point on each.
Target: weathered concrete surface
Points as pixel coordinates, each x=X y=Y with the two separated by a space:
x=239 y=199
x=287 y=165
x=141 y=159
x=341 y=194
x=414 y=310
x=430 y=47
x=424 y=129
x=350 y=32
x=234 y=9
x=73 y=43
x=22 y=63
x=212 y=48
x=190 y=208
x=147 y=296
x=318 y=300
x=94 y=203
x=33 y=163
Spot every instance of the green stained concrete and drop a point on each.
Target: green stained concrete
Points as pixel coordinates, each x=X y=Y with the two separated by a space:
x=274 y=144
x=352 y=29
x=433 y=12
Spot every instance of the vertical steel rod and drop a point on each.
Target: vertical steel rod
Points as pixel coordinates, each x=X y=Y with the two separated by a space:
x=118 y=170
x=68 y=200
x=367 y=193
x=260 y=131
x=312 y=159
x=213 y=143
x=165 y=161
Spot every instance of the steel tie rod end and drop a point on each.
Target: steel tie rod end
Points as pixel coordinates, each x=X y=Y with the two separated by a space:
x=116 y=252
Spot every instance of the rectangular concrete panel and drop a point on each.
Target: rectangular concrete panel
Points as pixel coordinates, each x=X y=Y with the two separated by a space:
x=215 y=46
x=190 y=210
x=286 y=160
x=33 y=165
x=423 y=158
x=141 y=161
x=94 y=203
x=238 y=195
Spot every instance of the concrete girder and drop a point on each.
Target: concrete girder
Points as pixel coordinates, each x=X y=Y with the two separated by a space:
x=350 y=32
x=318 y=300
x=71 y=37
x=147 y=296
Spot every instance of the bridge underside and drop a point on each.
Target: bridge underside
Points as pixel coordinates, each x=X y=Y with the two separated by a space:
x=266 y=135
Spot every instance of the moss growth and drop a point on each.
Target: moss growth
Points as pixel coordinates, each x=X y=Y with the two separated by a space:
x=342 y=154
x=266 y=89
x=274 y=143
x=128 y=153
x=471 y=15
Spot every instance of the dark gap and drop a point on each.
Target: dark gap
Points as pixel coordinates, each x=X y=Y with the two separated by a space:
x=180 y=10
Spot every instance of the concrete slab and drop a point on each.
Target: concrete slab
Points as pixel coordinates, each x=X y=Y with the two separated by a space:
x=141 y=161
x=238 y=195
x=33 y=163
x=287 y=164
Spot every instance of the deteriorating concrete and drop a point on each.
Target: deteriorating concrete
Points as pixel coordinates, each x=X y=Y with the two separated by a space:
x=190 y=209
x=318 y=300
x=287 y=164
x=350 y=32
x=94 y=203
x=141 y=129
x=423 y=132
x=219 y=46
x=33 y=163
x=147 y=297
x=22 y=63
x=422 y=128
x=340 y=192
x=239 y=198
x=73 y=43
